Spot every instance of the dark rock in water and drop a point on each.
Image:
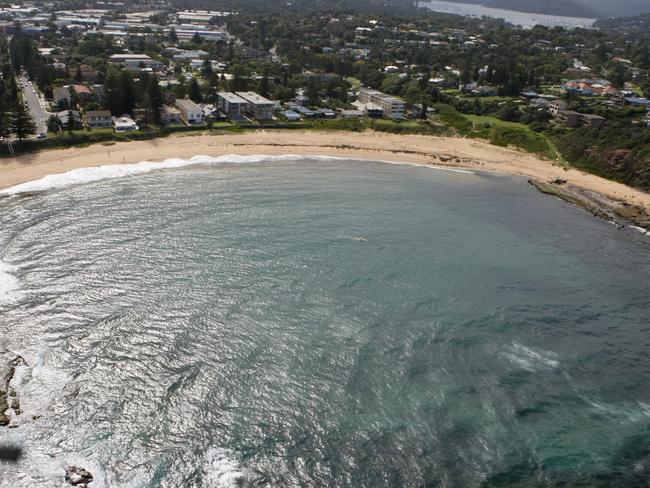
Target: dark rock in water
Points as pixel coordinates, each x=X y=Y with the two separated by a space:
x=78 y=476
x=4 y=405
x=15 y=405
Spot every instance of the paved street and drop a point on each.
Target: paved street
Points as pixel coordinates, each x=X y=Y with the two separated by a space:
x=39 y=115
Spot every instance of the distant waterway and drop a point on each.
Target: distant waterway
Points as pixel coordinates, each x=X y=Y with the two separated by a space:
x=524 y=19
x=315 y=322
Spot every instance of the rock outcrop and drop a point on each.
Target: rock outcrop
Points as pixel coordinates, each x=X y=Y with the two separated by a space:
x=77 y=476
x=8 y=398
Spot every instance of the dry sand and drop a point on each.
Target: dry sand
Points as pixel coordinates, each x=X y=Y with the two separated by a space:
x=427 y=150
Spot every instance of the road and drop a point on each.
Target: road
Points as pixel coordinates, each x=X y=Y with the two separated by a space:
x=34 y=106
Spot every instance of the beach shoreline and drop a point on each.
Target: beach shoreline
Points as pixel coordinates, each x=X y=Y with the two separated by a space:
x=451 y=152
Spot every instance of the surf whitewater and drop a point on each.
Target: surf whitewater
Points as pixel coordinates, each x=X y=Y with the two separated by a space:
x=317 y=322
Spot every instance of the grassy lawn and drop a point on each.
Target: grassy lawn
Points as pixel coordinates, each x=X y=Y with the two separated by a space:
x=504 y=133
x=496 y=99
x=355 y=82
x=492 y=121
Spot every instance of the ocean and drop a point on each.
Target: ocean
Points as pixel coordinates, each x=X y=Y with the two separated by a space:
x=306 y=321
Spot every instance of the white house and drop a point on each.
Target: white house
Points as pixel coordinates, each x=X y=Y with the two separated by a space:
x=136 y=61
x=124 y=123
x=191 y=113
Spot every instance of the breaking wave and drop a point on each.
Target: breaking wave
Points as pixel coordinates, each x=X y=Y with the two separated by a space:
x=531 y=359
x=220 y=470
x=109 y=171
x=8 y=282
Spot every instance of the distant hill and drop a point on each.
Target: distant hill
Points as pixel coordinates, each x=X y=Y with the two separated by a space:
x=570 y=8
x=620 y=8
x=639 y=23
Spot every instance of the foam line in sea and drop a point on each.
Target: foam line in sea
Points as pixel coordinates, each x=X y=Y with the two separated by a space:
x=8 y=282
x=109 y=171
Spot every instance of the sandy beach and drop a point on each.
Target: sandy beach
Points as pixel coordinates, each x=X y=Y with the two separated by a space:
x=426 y=150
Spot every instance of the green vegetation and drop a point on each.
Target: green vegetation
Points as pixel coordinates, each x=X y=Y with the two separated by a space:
x=614 y=150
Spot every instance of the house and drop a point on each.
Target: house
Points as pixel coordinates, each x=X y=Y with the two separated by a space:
x=170 y=115
x=568 y=118
x=64 y=117
x=305 y=112
x=351 y=114
x=191 y=113
x=232 y=105
x=529 y=95
x=484 y=91
x=88 y=73
x=83 y=93
x=555 y=106
x=592 y=120
x=301 y=100
x=62 y=96
x=136 y=61
x=209 y=111
x=291 y=115
x=99 y=119
x=369 y=109
x=637 y=101
x=189 y=55
x=99 y=91
x=257 y=106
x=327 y=113
x=124 y=123
x=389 y=105
x=539 y=103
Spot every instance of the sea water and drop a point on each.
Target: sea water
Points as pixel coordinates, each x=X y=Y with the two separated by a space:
x=291 y=321
x=526 y=20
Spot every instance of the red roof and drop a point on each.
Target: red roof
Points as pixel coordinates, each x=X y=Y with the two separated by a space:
x=81 y=89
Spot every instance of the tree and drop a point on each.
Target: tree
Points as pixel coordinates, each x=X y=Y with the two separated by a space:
x=619 y=76
x=207 y=69
x=172 y=35
x=70 y=121
x=22 y=122
x=195 y=91
x=78 y=75
x=113 y=99
x=263 y=87
x=129 y=97
x=238 y=81
x=154 y=98
x=5 y=125
x=54 y=124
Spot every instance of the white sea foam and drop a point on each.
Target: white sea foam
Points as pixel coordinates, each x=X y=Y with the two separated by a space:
x=38 y=385
x=640 y=229
x=638 y=412
x=109 y=171
x=531 y=359
x=8 y=283
x=220 y=470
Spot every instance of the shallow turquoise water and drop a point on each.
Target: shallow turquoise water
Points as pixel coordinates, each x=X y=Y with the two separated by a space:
x=324 y=323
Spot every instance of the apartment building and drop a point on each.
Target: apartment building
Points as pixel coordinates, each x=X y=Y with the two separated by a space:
x=232 y=105
x=191 y=113
x=391 y=106
x=136 y=61
x=257 y=106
